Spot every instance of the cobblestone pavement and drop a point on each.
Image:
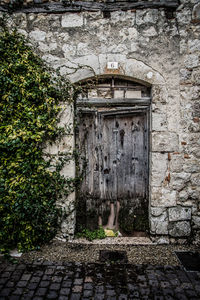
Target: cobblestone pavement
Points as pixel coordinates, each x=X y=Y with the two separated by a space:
x=47 y=280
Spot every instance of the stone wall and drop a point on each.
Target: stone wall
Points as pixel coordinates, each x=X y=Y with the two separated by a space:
x=163 y=50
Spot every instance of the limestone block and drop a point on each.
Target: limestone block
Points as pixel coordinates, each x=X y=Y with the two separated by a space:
x=183 y=195
x=159 y=225
x=190 y=92
x=184 y=17
x=159 y=122
x=179 y=213
x=134 y=47
x=72 y=20
x=83 y=49
x=173 y=114
x=185 y=75
x=179 y=180
x=196 y=13
x=67 y=144
x=119 y=48
x=43 y=47
x=163 y=197
x=89 y=67
x=179 y=229
x=161 y=240
x=159 y=168
x=157 y=211
x=151 y=31
x=23 y=32
x=66 y=117
x=68 y=50
x=159 y=93
x=192 y=61
x=196 y=222
x=176 y=163
x=132 y=33
x=37 y=35
x=146 y=16
x=164 y=142
x=191 y=166
x=123 y=16
x=195 y=179
x=194 y=45
x=50 y=58
x=69 y=169
x=20 y=20
x=140 y=70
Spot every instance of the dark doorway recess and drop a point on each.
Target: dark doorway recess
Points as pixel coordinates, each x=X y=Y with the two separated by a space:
x=190 y=260
x=112 y=139
x=113 y=256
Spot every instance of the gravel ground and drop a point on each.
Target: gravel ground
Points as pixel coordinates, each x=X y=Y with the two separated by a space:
x=84 y=251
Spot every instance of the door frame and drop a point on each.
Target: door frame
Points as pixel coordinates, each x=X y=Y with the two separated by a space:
x=106 y=107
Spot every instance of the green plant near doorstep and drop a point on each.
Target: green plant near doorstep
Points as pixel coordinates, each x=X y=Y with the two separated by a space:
x=92 y=235
x=29 y=116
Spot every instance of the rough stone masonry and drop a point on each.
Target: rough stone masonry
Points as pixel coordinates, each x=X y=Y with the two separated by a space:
x=158 y=45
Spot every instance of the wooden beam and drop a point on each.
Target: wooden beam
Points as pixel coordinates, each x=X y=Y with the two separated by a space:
x=113 y=102
x=77 y=6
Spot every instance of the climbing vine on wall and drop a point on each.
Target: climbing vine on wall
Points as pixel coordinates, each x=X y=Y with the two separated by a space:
x=30 y=183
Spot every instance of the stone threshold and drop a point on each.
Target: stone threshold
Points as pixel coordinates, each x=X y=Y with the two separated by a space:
x=115 y=241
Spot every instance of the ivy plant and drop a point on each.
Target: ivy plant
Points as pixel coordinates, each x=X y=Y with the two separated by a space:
x=30 y=100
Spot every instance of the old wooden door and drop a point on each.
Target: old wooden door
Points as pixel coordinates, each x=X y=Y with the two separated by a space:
x=113 y=162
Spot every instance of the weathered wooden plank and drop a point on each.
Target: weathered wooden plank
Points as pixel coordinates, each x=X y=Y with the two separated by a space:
x=113 y=102
x=77 y=6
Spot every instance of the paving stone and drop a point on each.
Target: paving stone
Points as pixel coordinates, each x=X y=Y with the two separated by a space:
x=66 y=283
x=99 y=296
x=87 y=293
x=44 y=283
x=41 y=291
x=54 y=286
x=21 y=283
x=64 y=291
x=5 y=292
x=18 y=291
x=14 y=297
x=75 y=296
x=191 y=293
x=88 y=286
x=52 y=295
x=115 y=282
x=35 y=279
x=181 y=296
x=32 y=285
x=26 y=277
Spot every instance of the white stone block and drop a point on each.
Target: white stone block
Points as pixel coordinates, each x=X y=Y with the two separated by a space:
x=157 y=211
x=179 y=229
x=159 y=225
x=69 y=169
x=176 y=163
x=194 y=45
x=164 y=142
x=158 y=168
x=68 y=50
x=179 y=213
x=72 y=20
x=196 y=222
x=163 y=197
x=159 y=122
x=38 y=35
x=150 y=32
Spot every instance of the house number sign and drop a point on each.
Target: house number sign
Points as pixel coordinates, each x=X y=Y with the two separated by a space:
x=112 y=65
